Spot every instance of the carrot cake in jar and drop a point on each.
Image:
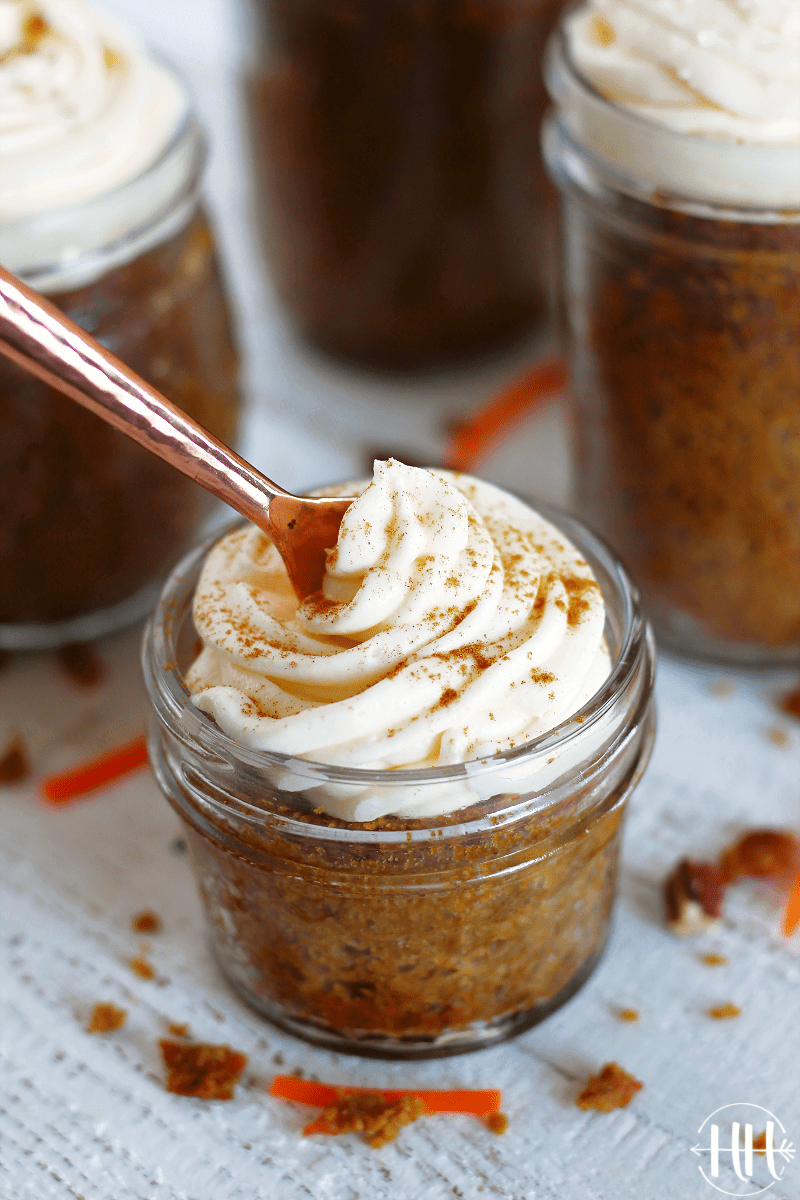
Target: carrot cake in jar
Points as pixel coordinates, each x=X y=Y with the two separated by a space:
x=404 y=796
x=675 y=143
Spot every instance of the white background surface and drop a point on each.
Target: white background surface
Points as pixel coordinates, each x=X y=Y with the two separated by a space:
x=88 y=1116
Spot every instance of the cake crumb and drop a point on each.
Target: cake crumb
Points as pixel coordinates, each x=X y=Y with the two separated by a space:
x=81 y=664
x=201 y=1070
x=141 y=967
x=178 y=1029
x=612 y=1088
x=693 y=897
x=497 y=1122
x=377 y=1119
x=628 y=1014
x=790 y=703
x=761 y=854
x=714 y=960
x=779 y=737
x=760 y=1142
x=723 y=1012
x=146 y=921
x=14 y=764
x=105 y=1018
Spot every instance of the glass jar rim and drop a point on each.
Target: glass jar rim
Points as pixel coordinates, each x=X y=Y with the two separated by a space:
x=165 y=684
x=123 y=224
x=643 y=159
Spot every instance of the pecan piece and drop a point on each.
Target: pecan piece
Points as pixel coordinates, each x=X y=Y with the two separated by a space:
x=761 y=854
x=693 y=897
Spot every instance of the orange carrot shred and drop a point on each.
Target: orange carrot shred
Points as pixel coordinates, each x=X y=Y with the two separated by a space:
x=306 y=1091
x=791 y=917
x=97 y=773
x=475 y=440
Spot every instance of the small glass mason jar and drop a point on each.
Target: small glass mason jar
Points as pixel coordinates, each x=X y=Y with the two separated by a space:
x=406 y=211
x=89 y=521
x=682 y=321
x=408 y=938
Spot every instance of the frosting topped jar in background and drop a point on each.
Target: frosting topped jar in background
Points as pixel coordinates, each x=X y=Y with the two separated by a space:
x=676 y=143
x=404 y=797
x=100 y=165
x=405 y=210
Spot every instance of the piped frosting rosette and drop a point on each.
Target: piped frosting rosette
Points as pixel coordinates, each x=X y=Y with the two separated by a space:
x=453 y=622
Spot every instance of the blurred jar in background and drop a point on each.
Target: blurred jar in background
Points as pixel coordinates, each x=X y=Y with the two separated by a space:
x=100 y=165
x=676 y=146
x=396 y=145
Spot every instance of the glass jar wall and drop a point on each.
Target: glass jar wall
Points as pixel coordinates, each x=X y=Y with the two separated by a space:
x=403 y=199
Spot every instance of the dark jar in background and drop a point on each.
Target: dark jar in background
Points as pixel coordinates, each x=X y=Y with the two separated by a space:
x=89 y=521
x=401 y=189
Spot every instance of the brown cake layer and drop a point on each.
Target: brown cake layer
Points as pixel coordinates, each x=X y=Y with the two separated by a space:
x=686 y=365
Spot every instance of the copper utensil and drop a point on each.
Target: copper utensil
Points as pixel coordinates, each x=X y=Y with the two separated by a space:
x=39 y=338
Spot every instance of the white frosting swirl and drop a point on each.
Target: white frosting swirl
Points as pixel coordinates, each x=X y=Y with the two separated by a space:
x=453 y=622
x=83 y=108
x=726 y=70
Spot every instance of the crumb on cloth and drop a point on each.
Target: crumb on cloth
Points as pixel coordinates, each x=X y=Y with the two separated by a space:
x=14 y=762
x=105 y=1018
x=714 y=960
x=693 y=897
x=723 y=1012
x=201 y=1070
x=141 y=967
x=146 y=921
x=761 y=854
x=612 y=1088
x=377 y=1119
x=81 y=663
x=497 y=1122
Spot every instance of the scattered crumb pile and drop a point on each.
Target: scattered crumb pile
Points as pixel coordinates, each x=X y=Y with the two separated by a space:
x=377 y=1119
x=612 y=1088
x=105 y=1018
x=694 y=891
x=201 y=1070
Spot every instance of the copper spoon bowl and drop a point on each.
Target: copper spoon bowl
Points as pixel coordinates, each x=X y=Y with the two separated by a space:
x=39 y=338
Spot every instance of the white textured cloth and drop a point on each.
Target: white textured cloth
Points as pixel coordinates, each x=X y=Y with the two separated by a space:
x=87 y=1116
